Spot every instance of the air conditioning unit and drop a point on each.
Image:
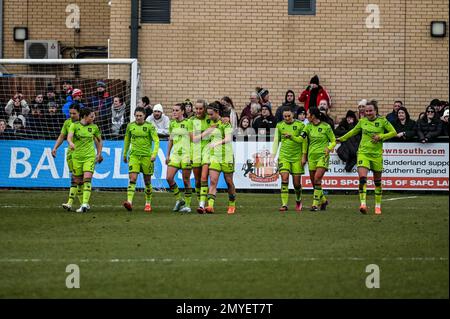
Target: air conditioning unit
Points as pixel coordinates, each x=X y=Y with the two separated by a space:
x=41 y=49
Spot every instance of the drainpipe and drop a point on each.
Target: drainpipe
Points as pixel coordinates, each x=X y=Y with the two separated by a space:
x=134 y=29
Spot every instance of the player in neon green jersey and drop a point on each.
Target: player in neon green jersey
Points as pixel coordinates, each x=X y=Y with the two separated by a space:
x=221 y=156
x=81 y=138
x=74 y=112
x=200 y=153
x=292 y=156
x=321 y=141
x=375 y=130
x=179 y=157
x=144 y=142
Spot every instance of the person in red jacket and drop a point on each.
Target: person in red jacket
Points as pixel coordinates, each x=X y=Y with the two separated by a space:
x=313 y=93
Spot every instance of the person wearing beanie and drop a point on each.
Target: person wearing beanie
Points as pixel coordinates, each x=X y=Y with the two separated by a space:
x=76 y=96
x=289 y=102
x=264 y=98
x=313 y=94
x=160 y=121
x=101 y=103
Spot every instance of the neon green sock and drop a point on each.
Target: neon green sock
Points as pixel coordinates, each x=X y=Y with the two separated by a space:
x=176 y=191
x=130 y=191
x=148 y=193
x=284 y=194
x=187 y=197
x=87 y=192
x=323 y=199
x=80 y=193
x=378 y=193
x=211 y=200
x=197 y=193
x=362 y=192
x=72 y=193
x=317 y=194
x=298 y=193
x=232 y=200
x=203 y=191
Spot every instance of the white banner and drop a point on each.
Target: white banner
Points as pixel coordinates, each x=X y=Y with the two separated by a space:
x=408 y=166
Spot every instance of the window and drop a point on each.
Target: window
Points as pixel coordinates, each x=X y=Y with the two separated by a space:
x=155 y=11
x=302 y=7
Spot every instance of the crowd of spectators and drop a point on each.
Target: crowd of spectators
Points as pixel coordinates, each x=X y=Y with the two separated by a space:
x=43 y=117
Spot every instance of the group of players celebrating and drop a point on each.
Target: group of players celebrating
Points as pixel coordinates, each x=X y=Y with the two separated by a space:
x=203 y=144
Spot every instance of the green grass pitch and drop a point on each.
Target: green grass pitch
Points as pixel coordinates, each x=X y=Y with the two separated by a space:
x=256 y=253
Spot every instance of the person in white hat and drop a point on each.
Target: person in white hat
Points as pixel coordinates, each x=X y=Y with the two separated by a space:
x=361 y=105
x=160 y=121
x=444 y=120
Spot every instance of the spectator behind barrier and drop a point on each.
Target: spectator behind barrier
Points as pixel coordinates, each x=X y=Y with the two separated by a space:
x=347 y=152
x=188 y=109
x=145 y=103
x=160 y=121
x=15 y=107
x=35 y=121
x=324 y=109
x=100 y=103
x=228 y=105
x=289 y=102
x=313 y=93
x=245 y=129
x=264 y=124
x=117 y=120
x=75 y=98
x=301 y=115
x=444 y=120
x=392 y=117
x=39 y=102
x=247 y=109
x=53 y=120
x=405 y=127
x=6 y=132
x=50 y=96
x=429 y=127
x=361 y=106
x=264 y=97
x=66 y=93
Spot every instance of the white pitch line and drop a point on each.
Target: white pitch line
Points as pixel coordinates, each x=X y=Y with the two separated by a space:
x=218 y=260
x=398 y=198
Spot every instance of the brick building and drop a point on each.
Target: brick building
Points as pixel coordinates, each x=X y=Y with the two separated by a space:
x=213 y=48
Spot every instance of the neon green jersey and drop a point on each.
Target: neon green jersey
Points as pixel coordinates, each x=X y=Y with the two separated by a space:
x=319 y=137
x=198 y=127
x=291 y=148
x=221 y=153
x=65 y=130
x=180 y=135
x=379 y=126
x=83 y=138
x=141 y=137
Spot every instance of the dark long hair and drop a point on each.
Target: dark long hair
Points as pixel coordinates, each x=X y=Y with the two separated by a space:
x=317 y=114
